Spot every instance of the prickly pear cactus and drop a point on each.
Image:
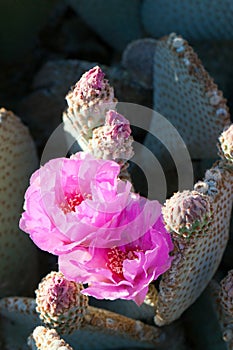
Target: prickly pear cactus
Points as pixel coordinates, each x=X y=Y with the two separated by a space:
x=18 y=318
x=137 y=59
x=225 y=308
x=187 y=96
x=200 y=239
x=43 y=338
x=66 y=309
x=197 y=219
x=60 y=303
x=99 y=15
x=195 y=20
x=18 y=256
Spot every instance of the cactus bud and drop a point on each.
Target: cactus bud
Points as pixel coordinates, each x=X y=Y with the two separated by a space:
x=113 y=140
x=187 y=213
x=90 y=99
x=60 y=303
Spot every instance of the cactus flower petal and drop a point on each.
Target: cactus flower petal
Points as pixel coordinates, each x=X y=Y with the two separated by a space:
x=121 y=272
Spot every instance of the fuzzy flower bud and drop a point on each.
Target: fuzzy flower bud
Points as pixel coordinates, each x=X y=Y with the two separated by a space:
x=113 y=140
x=60 y=303
x=226 y=293
x=187 y=213
x=88 y=102
x=45 y=339
x=226 y=144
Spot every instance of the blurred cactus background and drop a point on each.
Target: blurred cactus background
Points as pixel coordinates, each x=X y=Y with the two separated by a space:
x=174 y=56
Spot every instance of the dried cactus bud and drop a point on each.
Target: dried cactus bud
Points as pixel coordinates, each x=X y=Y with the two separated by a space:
x=113 y=140
x=60 y=303
x=187 y=213
x=88 y=102
x=226 y=293
x=46 y=339
x=226 y=144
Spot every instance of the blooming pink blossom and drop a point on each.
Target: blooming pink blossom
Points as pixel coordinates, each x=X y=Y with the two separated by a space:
x=104 y=235
x=81 y=201
x=121 y=272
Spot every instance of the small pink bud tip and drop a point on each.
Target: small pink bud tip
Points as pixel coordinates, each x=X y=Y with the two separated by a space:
x=94 y=77
x=92 y=81
x=113 y=140
x=88 y=101
x=119 y=125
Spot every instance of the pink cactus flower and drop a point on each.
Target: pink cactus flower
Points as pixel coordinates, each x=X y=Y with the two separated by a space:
x=121 y=272
x=104 y=235
x=81 y=201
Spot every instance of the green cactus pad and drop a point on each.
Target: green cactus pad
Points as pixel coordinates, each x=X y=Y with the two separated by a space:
x=116 y=21
x=196 y=20
x=18 y=255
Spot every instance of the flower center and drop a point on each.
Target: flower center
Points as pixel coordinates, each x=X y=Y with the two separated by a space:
x=72 y=200
x=116 y=258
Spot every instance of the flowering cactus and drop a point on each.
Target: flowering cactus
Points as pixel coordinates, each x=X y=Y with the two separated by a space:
x=73 y=308
x=121 y=272
x=118 y=242
x=98 y=328
x=104 y=234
